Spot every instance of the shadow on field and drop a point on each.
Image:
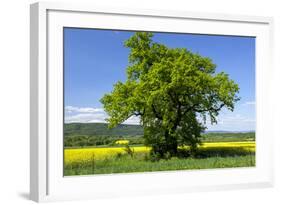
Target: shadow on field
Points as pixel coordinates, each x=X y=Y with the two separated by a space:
x=217 y=152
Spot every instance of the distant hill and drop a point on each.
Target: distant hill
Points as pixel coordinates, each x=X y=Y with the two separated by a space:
x=101 y=129
x=225 y=131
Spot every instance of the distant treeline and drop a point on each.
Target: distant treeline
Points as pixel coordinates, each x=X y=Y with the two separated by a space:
x=88 y=141
x=228 y=137
x=108 y=140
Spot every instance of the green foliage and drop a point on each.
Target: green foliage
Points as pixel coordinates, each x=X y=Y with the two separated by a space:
x=169 y=88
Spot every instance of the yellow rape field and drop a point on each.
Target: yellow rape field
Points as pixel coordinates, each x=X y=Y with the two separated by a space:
x=250 y=146
x=86 y=154
x=122 y=142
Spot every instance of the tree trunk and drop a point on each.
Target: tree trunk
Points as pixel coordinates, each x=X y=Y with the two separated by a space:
x=171 y=144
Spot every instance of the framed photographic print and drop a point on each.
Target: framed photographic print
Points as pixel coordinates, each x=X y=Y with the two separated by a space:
x=154 y=101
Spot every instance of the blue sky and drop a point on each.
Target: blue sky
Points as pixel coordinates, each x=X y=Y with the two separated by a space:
x=96 y=59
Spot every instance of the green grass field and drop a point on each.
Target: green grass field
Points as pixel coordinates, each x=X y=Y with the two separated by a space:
x=127 y=164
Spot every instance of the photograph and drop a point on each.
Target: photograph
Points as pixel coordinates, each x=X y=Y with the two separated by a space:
x=148 y=101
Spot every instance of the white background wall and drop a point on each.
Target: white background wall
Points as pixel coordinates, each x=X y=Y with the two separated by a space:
x=14 y=101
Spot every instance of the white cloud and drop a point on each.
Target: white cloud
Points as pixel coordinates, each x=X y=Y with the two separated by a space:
x=85 y=117
x=90 y=110
x=250 y=103
x=91 y=115
x=232 y=122
x=134 y=120
x=70 y=109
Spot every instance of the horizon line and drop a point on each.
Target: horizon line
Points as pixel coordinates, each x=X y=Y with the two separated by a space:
x=141 y=125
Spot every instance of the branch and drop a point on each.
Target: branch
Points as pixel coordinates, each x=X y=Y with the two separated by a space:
x=193 y=108
x=210 y=109
x=137 y=114
x=156 y=113
x=190 y=108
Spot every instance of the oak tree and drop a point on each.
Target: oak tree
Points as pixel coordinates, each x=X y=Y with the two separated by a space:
x=172 y=90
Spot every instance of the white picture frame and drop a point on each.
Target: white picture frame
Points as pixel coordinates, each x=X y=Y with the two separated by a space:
x=46 y=63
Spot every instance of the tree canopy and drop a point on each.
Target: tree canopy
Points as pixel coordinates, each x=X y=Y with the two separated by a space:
x=172 y=90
